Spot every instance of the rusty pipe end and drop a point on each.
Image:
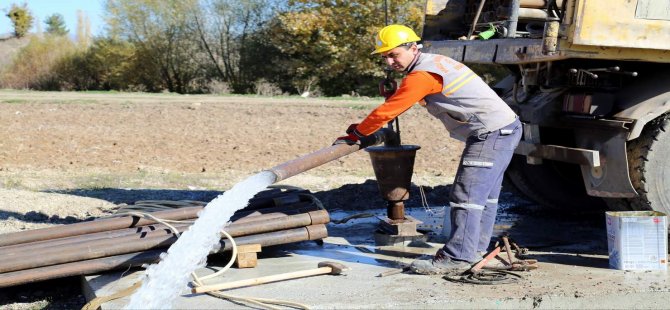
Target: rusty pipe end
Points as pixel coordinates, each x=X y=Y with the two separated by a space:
x=319 y=217
x=316 y=232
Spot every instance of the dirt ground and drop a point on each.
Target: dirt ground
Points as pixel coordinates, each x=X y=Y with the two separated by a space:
x=66 y=157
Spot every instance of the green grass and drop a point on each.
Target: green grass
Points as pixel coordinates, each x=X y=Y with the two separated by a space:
x=355 y=106
x=74 y=101
x=15 y=97
x=69 y=101
x=14 y=101
x=102 y=92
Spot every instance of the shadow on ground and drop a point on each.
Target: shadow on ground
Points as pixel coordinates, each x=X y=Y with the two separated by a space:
x=39 y=217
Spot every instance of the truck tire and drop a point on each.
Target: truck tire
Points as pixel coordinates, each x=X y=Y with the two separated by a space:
x=649 y=167
x=555 y=185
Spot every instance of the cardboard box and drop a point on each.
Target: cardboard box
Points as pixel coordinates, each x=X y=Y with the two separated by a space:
x=637 y=240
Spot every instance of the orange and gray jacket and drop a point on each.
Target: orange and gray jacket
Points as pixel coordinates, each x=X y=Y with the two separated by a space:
x=467 y=106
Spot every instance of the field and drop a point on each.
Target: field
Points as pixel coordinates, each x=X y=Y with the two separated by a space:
x=66 y=157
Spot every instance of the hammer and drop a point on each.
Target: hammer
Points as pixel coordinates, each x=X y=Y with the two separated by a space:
x=324 y=268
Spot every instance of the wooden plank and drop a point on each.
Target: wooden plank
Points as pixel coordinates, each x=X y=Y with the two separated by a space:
x=247 y=255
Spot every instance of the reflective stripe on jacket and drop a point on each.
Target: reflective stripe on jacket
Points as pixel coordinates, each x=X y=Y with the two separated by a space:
x=466 y=106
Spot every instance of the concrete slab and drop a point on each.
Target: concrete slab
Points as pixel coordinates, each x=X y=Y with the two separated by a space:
x=573 y=273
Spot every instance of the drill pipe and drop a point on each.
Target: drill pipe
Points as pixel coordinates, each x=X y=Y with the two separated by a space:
x=94 y=226
x=106 y=224
x=143 y=231
x=128 y=244
x=136 y=259
x=300 y=207
x=327 y=154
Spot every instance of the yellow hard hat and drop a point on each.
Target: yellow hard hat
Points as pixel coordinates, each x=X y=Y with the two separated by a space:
x=393 y=36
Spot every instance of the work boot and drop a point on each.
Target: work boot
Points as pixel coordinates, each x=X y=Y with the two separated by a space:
x=440 y=264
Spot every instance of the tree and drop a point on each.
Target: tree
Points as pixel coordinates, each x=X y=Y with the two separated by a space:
x=33 y=66
x=22 y=19
x=56 y=25
x=228 y=32
x=106 y=65
x=331 y=40
x=162 y=35
x=83 y=29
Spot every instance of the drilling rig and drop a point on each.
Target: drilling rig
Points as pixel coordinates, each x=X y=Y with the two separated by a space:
x=589 y=79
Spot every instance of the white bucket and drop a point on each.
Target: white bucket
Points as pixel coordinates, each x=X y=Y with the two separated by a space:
x=637 y=240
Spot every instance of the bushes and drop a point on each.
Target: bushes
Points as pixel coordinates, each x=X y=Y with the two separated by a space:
x=33 y=66
x=106 y=65
x=265 y=88
x=57 y=63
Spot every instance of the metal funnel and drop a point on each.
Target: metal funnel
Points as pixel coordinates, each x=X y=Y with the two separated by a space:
x=393 y=168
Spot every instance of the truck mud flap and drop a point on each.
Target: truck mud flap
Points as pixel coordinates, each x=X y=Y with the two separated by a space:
x=611 y=179
x=601 y=156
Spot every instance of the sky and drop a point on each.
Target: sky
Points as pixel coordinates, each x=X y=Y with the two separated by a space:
x=68 y=8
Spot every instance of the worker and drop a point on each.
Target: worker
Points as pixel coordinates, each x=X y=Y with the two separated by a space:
x=471 y=112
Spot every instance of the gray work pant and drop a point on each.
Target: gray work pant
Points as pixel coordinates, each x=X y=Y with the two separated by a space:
x=474 y=193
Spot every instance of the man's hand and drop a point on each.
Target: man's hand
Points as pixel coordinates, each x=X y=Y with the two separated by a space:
x=351 y=128
x=352 y=137
x=349 y=139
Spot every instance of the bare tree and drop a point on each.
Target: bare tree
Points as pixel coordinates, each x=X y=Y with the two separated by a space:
x=225 y=30
x=83 y=29
x=161 y=31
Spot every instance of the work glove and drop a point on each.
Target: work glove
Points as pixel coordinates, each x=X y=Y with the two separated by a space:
x=351 y=128
x=352 y=137
x=349 y=139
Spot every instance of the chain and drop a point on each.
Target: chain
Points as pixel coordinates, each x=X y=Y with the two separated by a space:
x=424 y=202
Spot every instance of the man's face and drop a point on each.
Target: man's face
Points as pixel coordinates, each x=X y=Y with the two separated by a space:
x=400 y=57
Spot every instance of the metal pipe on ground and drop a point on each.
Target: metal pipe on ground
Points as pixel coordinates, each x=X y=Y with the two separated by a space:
x=140 y=232
x=105 y=224
x=276 y=200
x=144 y=231
x=108 y=247
x=300 y=207
x=94 y=226
x=124 y=261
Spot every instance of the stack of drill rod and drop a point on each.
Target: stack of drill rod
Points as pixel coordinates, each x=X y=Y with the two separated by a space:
x=273 y=217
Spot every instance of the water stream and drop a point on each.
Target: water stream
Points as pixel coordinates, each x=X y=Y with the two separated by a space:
x=167 y=279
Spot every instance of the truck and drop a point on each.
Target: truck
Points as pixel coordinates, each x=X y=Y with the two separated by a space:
x=590 y=81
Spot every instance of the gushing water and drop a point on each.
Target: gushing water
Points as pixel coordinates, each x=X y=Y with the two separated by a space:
x=166 y=280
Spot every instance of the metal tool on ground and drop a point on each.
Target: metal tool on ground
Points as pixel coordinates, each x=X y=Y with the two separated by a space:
x=512 y=260
x=331 y=268
x=484 y=272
